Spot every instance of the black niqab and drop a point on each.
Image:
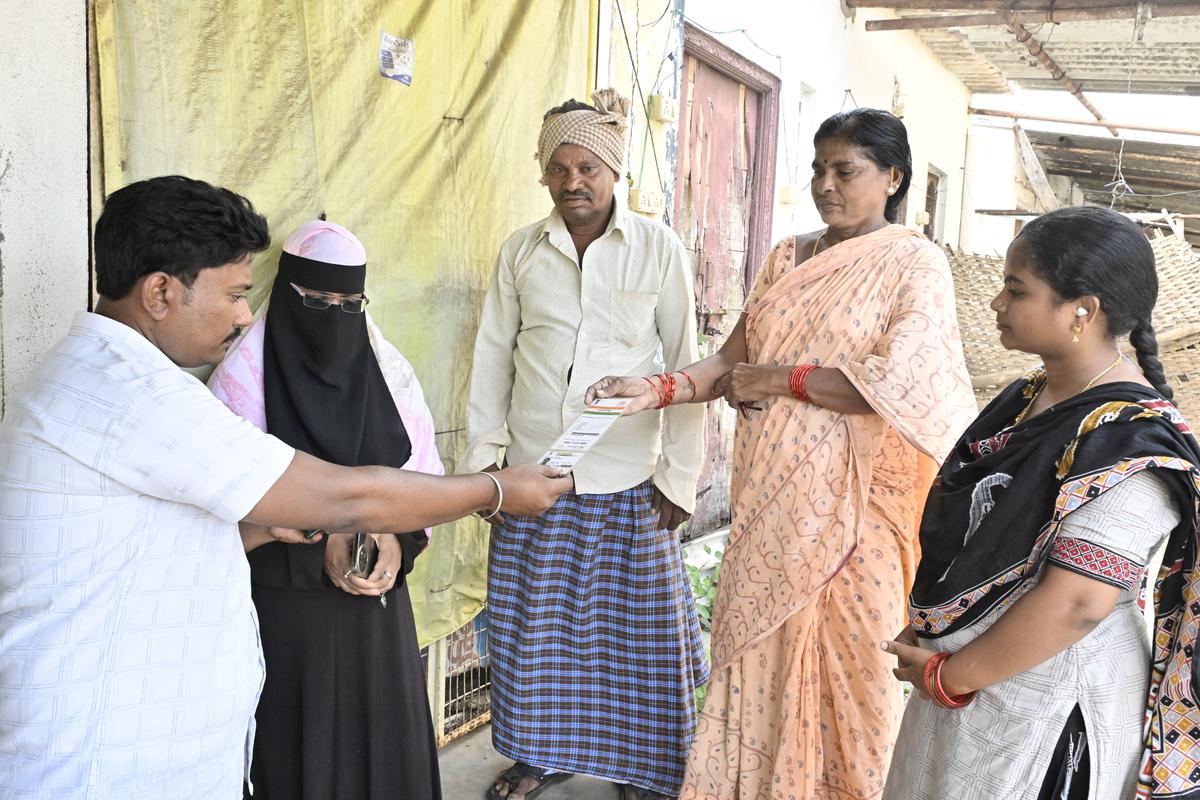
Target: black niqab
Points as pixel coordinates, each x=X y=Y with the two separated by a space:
x=324 y=394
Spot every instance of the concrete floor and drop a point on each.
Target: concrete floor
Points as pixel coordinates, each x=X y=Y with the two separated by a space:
x=469 y=765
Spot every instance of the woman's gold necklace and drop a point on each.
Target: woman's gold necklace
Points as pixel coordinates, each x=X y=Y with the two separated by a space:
x=1101 y=374
x=1087 y=386
x=817 y=243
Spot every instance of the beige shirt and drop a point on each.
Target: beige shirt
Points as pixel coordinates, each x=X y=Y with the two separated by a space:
x=550 y=329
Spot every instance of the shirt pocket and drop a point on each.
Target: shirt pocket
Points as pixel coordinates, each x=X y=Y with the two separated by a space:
x=631 y=317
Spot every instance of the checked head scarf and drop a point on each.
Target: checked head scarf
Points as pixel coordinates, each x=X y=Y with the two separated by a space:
x=602 y=131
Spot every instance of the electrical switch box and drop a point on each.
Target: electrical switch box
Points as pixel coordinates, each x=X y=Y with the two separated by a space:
x=647 y=200
x=663 y=108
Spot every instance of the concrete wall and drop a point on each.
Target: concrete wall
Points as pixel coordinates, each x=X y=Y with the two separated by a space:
x=994 y=181
x=820 y=51
x=43 y=179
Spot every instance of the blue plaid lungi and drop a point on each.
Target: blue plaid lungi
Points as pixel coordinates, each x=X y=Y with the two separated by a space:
x=595 y=645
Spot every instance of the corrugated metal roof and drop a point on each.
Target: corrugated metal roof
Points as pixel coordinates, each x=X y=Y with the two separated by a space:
x=1097 y=55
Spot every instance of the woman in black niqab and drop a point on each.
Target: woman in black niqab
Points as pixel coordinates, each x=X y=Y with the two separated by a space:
x=343 y=713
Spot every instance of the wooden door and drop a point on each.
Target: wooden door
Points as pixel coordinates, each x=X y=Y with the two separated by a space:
x=722 y=211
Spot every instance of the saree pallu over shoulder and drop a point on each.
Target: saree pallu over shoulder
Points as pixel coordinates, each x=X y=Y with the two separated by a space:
x=880 y=308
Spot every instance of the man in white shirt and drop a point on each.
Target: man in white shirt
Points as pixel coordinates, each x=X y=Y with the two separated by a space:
x=595 y=645
x=129 y=657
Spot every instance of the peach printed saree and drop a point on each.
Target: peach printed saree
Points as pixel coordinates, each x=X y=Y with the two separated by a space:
x=822 y=547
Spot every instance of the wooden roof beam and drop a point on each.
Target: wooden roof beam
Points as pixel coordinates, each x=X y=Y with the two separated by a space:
x=1037 y=51
x=1104 y=123
x=1089 y=172
x=1034 y=171
x=1105 y=12
x=1137 y=160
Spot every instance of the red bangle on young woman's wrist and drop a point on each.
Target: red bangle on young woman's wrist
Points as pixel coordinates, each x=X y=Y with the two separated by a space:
x=670 y=380
x=933 y=684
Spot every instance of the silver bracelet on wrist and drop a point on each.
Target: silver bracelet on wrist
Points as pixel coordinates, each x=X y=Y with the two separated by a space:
x=499 y=497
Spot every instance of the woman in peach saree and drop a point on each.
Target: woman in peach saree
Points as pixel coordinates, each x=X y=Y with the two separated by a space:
x=848 y=372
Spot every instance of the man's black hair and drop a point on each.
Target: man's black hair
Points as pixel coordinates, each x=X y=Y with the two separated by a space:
x=175 y=225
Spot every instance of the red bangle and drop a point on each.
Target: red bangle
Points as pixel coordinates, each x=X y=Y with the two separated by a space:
x=657 y=391
x=798 y=380
x=667 y=395
x=933 y=684
x=927 y=675
x=659 y=382
x=691 y=383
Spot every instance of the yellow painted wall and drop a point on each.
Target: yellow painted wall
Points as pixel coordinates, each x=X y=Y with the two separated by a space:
x=283 y=102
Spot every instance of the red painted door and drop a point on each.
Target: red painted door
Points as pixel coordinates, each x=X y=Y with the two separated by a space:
x=713 y=215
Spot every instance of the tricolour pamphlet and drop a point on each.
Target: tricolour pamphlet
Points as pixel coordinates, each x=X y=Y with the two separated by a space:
x=584 y=432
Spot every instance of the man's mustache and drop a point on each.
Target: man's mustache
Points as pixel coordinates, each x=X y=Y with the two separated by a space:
x=581 y=195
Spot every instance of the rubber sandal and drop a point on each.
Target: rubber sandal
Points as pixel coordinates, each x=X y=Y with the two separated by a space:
x=517 y=772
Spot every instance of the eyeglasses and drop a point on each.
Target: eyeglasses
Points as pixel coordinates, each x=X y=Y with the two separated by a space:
x=322 y=301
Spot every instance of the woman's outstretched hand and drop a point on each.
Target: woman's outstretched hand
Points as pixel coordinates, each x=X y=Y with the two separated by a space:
x=640 y=390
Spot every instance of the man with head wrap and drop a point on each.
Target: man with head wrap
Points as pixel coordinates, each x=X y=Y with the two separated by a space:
x=596 y=650
x=315 y=372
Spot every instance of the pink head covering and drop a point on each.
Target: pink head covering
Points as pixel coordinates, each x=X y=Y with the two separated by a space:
x=327 y=242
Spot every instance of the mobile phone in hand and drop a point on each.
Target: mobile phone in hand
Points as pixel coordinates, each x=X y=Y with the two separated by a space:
x=363 y=555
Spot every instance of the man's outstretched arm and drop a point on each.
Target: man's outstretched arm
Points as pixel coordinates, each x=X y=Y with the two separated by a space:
x=313 y=493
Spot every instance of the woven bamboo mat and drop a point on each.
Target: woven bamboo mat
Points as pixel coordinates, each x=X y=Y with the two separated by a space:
x=977 y=279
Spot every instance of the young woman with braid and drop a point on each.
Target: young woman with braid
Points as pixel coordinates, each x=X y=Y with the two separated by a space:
x=1026 y=641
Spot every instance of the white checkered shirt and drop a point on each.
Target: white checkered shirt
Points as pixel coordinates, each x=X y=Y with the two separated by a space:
x=129 y=657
